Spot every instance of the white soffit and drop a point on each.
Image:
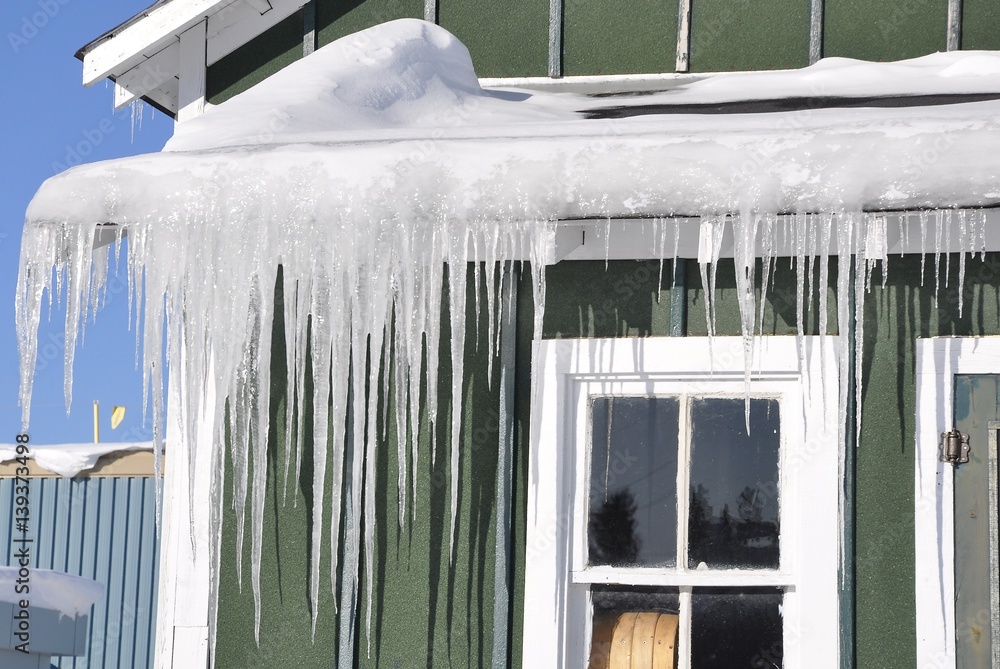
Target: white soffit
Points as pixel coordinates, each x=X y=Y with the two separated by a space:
x=143 y=57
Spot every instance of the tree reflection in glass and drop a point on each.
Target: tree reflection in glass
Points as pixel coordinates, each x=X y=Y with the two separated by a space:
x=733 y=512
x=633 y=481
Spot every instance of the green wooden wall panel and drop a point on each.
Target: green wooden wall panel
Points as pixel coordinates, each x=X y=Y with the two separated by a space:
x=780 y=313
x=506 y=39
x=335 y=18
x=980 y=24
x=728 y=35
x=255 y=61
x=884 y=30
x=585 y=300
x=637 y=36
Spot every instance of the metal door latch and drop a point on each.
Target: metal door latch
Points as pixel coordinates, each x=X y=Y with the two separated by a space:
x=954 y=447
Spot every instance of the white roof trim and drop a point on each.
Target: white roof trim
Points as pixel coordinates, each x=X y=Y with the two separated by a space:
x=144 y=58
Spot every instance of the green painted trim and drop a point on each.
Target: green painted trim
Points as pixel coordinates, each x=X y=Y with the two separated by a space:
x=502 y=573
x=678 y=299
x=847 y=600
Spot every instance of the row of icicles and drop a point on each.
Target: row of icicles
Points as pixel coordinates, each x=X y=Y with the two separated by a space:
x=203 y=288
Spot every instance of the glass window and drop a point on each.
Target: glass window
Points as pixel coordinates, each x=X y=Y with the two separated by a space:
x=633 y=482
x=729 y=476
x=666 y=528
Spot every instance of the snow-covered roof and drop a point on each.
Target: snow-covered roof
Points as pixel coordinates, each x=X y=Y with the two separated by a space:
x=398 y=109
x=70 y=459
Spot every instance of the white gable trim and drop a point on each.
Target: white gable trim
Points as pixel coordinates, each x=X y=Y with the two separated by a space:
x=144 y=58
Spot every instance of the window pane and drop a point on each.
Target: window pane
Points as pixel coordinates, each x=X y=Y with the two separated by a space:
x=633 y=482
x=733 y=628
x=641 y=614
x=733 y=517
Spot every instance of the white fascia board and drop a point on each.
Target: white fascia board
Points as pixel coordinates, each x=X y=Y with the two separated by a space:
x=149 y=35
x=646 y=238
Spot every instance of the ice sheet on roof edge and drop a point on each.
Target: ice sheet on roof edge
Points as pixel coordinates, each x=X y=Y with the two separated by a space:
x=207 y=229
x=68 y=594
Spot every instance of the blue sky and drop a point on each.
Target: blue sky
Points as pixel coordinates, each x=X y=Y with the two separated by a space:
x=49 y=121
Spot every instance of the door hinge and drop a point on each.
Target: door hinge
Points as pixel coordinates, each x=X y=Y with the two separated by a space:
x=954 y=447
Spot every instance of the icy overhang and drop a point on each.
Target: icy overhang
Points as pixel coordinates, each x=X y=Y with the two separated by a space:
x=396 y=115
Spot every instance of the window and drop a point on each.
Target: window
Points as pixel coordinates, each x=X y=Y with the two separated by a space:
x=656 y=520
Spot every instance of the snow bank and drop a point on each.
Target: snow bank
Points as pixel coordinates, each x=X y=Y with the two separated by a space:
x=369 y=166
x=55 y=590
x=71 y=459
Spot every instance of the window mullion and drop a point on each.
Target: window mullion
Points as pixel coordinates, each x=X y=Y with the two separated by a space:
x=683 y=481
x=684 y=629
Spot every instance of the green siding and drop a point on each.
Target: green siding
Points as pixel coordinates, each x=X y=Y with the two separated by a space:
x=884 y=30
x=638 y=36
x=729 y=35
x=255 y=61
x=980 y=24
x=584 y=300
x=506 y=39
x=335 y=19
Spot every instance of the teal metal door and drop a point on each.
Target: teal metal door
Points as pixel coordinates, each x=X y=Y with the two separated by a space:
x=977 y=573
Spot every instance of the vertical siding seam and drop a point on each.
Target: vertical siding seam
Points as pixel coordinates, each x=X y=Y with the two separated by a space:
x=815 y=30
x=555 y=38
x=954 y=25
x=308 y=28
x=505 y=467
x=683 y=61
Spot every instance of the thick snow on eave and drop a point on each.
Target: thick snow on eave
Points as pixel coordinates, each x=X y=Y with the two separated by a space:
x=395 y=114
x=54 y=590
x=70 y=459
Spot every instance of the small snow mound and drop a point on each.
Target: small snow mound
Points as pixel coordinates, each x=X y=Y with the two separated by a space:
x=405 y=73
x=70 y=459
x=981 y=64
x=54 y=590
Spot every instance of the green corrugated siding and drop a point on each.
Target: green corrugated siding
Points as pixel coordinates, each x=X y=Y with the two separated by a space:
x=506 y=39
x=884 y=30
x=639 y=36
x=980 y=24
x=731 y=35
x=335 y=19
x=255 y=61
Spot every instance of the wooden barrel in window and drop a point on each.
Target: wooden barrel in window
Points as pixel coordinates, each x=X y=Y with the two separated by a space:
x=635 y=640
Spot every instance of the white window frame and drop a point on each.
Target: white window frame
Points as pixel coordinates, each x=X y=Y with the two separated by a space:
x=568 y=372
x=938 y=361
